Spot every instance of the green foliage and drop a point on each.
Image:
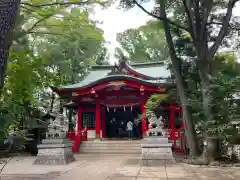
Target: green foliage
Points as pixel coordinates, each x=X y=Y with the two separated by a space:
x=155 y=100
x=224 y=84
x=53 y=44
x=82 y=45
x=144 y=44
x=195 y=30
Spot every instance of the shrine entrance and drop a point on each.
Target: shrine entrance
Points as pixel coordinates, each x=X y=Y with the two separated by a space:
x=109 y=96
x=117 y=122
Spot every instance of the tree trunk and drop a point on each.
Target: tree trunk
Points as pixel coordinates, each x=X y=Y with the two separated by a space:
x=9 y=10
x=212 y=151
x=206 y=93
x=188 y=123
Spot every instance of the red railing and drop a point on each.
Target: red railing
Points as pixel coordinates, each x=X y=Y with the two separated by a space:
x=175 y=135
x=71 y=136
x=77 y=138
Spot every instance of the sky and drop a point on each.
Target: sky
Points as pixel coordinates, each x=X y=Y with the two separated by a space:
x=117 y=20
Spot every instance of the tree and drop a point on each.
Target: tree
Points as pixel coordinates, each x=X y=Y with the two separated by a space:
x=50 y=46
x=202 y=20
x=40 y=10
x=8 y=13
x=144 y=44
x=80 y=45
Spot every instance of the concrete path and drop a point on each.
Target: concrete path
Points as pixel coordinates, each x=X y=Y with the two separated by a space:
x=109 y=167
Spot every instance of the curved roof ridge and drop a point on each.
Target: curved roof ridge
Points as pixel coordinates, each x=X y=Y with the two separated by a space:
x=94 y=67
x=97 y=67
x=112 y=77
x=145 y=64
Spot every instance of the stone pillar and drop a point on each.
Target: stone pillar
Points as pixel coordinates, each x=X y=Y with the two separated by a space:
x=56 y=149
x=98 y=120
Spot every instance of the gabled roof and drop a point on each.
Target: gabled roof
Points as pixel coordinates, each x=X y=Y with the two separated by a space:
x=155 y=70
x=154 y=73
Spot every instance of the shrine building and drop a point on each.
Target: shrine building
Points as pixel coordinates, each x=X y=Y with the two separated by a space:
x=111 y=95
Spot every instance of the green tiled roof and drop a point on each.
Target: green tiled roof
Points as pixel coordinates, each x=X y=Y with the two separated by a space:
x=155 y=70
x=93 y=76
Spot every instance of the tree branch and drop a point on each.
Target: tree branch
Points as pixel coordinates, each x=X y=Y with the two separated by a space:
x=231 y=26
x=190 y=20
x=58 y=3
x=208 y=4
x=39 y=21
x=169 y=39
x=197 y=19
x=28 y=9
x=45 y=33
x=160 y=18
x=223 y=29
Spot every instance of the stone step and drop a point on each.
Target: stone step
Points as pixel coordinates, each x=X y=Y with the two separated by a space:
x=111 y=147
x=108 y=151
x=113 y=142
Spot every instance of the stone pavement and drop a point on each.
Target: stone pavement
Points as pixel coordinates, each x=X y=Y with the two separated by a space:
x=110 y=167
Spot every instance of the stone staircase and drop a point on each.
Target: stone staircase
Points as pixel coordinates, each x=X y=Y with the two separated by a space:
x=111 y=147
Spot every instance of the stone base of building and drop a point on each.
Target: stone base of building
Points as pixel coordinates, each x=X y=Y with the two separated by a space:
x=55 y=152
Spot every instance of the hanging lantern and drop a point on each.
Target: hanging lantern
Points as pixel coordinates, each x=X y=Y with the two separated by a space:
x=142 y=90
x=124 y=108
x=93 y=91
x=74 y=94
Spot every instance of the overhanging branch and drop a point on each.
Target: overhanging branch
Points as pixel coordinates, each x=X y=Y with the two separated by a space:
x=46 y=33
x=208 y=7
x=57 y=3
x=190 y=20
x=231 y=26
x=223 y=29
x=39 y=21
x=161 y=18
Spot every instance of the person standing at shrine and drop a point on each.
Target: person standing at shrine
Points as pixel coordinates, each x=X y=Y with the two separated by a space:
x=130 y=129
x=135 y=127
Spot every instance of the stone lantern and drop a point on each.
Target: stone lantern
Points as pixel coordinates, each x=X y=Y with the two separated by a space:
x=70 y=106
x=155 y=146
x=56 y=149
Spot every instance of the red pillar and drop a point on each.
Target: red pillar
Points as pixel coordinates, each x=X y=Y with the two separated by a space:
x=171 y=116
x=104 y=123
x=79 y=123
x=144 y=118
x=172 y=124
x=98 y=120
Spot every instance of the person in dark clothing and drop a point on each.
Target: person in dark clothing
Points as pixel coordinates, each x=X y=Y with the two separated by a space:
x=137 y=128
x=130 y=129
